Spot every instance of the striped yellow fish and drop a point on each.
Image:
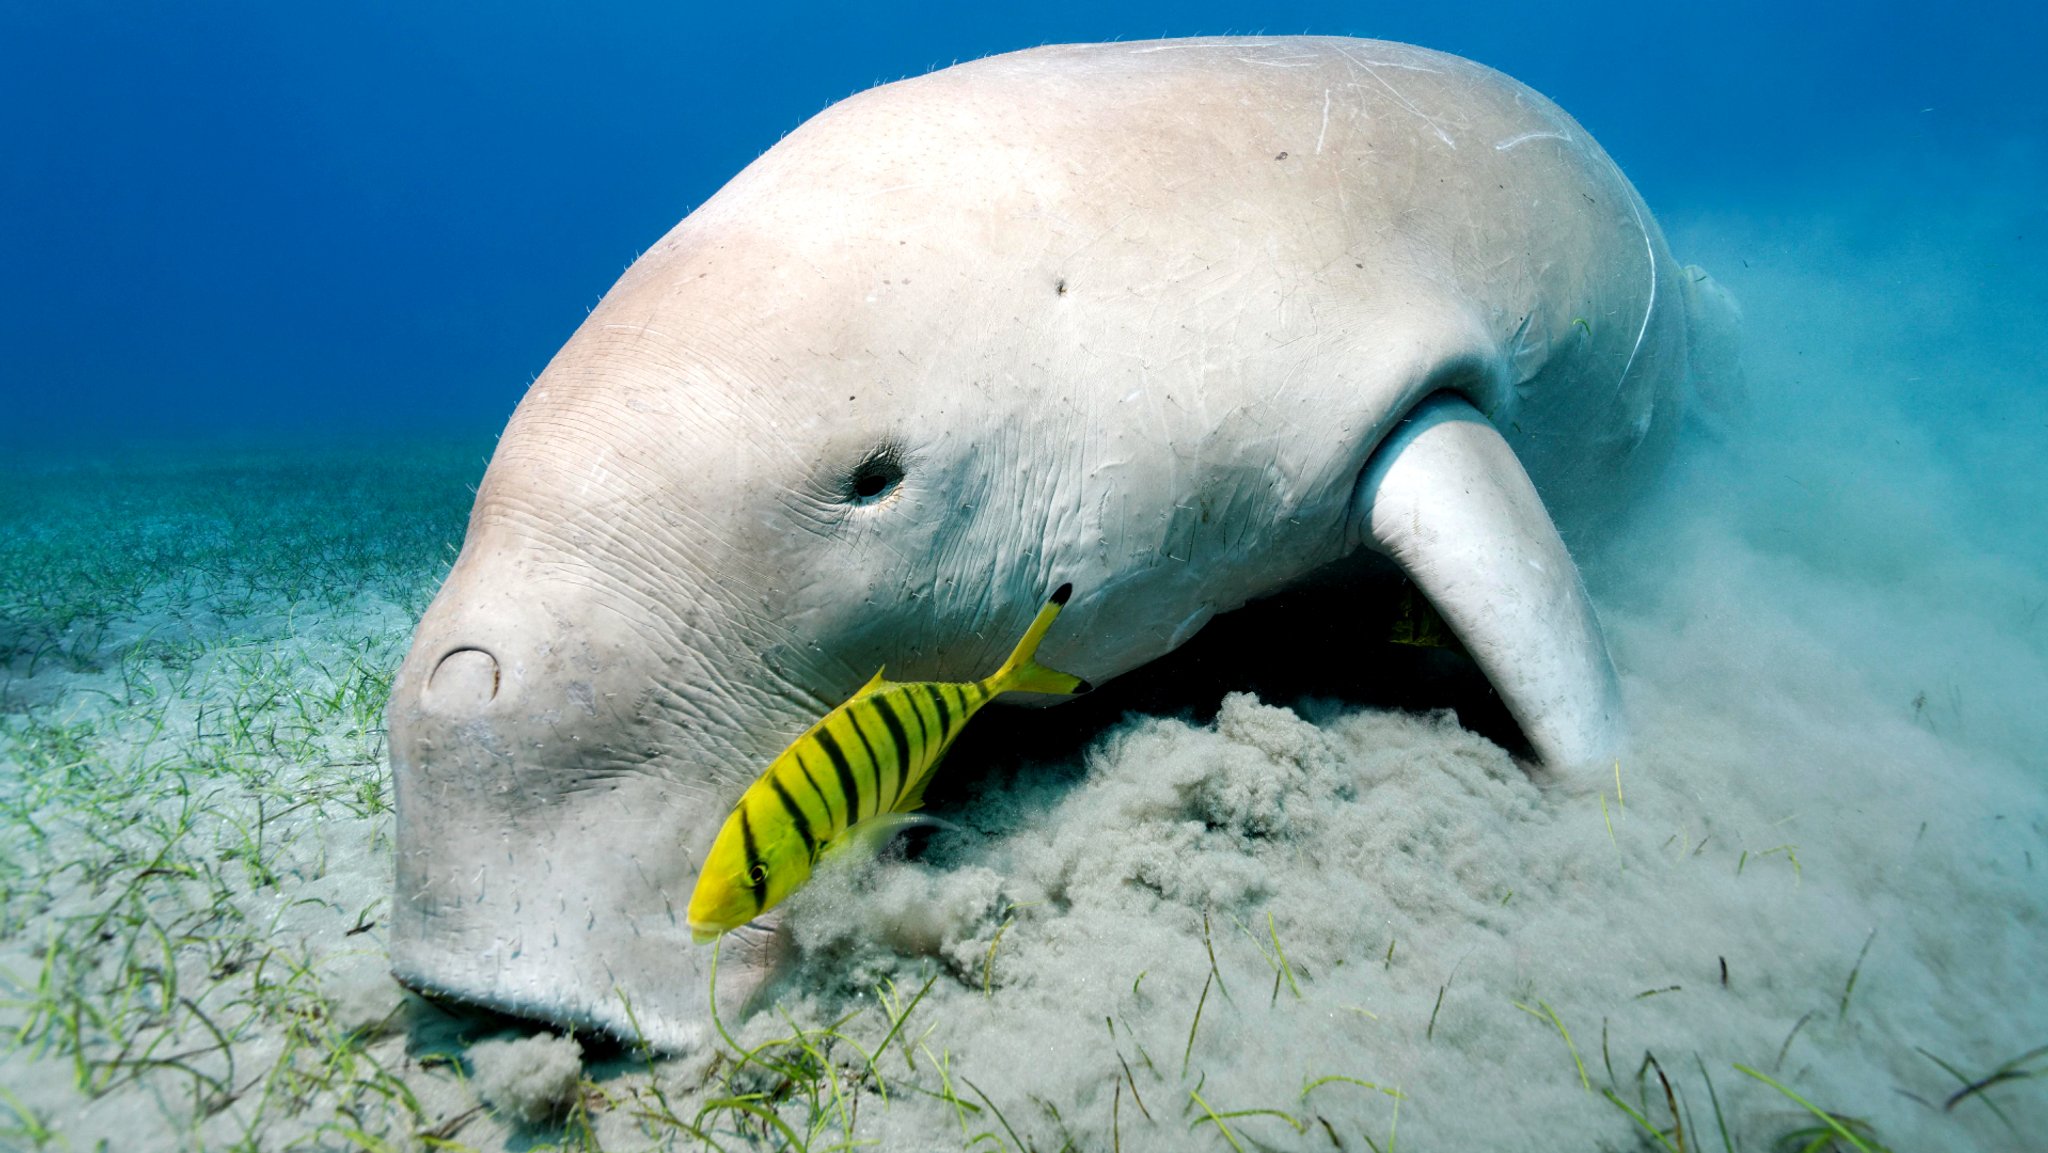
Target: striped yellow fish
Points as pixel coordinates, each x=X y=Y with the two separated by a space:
x=868 y=759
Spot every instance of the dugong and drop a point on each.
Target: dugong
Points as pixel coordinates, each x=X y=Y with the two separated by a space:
x=1178 y=323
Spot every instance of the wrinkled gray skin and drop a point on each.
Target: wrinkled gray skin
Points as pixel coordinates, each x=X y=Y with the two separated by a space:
x=1177 y=322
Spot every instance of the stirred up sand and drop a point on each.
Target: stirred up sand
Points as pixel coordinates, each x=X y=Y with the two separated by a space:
x=1819 y=878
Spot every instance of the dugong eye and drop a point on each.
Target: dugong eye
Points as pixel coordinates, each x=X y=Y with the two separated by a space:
x=875 y=477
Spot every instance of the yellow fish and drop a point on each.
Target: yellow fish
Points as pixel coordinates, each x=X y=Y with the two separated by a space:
x=867 y=760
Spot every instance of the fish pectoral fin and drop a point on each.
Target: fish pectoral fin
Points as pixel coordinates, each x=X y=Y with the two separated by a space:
x=867 y=839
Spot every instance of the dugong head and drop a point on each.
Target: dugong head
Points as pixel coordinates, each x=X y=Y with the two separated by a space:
x=820 y=428
x=723 y=506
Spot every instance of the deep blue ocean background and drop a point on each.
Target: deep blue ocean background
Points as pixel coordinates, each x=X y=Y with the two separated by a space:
x=254 y=219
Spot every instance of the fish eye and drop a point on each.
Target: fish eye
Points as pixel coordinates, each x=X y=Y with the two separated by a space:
x=875 y=477
x=757 y=875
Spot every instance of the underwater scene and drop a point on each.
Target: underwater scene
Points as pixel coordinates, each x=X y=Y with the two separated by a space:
x=1511 y=541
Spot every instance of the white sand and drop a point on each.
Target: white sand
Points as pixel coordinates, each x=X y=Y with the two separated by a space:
x=528 y=1080
x=1833 y=631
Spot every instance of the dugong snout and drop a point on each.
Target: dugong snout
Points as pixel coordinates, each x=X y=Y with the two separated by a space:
x=545 y=852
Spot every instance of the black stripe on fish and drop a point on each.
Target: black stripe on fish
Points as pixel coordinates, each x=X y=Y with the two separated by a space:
x=927 y=718
x=757 y=873
x=797 y=756
x=796 y=816
x=945 y=712
x=867 y=746
x=886 y=708
x=957 y=698
x=924 y=735
x=933 y=737
x=847 y=781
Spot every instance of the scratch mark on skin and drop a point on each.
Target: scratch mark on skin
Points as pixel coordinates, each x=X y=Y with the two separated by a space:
x=1367 y=68
x=646 y=328
x=913 y=186
x=1526 y=137
x=1325 y=129
x=599 y=476
x=1649 y=308
x=1114 y=228
x=1403 y=67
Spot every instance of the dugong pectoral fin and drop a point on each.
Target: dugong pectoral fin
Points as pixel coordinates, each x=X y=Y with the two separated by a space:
x=1445 y=498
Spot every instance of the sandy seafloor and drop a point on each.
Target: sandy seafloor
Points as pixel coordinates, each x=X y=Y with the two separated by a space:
x=1832 y=627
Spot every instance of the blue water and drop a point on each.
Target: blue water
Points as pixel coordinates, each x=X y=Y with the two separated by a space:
x=280 y=218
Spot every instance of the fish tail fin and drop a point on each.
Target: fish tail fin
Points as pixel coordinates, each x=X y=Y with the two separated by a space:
x=1023 y=674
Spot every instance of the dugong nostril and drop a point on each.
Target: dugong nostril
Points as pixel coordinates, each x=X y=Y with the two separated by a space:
x=464 y=681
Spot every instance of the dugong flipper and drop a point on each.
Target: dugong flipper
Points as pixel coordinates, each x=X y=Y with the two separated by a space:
x=1447 y=500
x=1180 y=323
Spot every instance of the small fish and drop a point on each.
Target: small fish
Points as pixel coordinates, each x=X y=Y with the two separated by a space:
x=849 y=778
x=1419 y=624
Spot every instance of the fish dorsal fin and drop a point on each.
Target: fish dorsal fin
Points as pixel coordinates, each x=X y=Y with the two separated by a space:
x=874 y=683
